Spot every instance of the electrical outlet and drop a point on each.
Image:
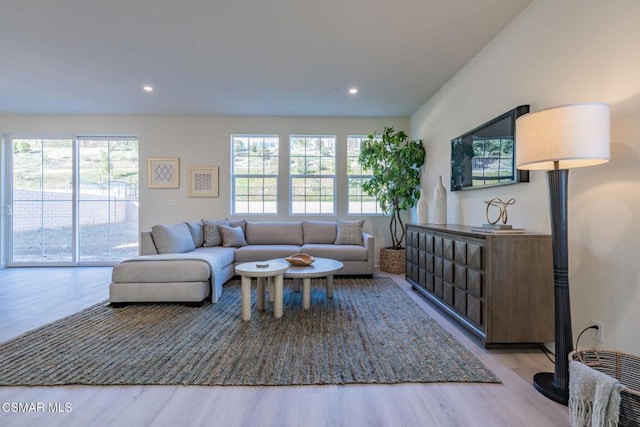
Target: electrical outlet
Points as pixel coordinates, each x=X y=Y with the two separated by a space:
x=597 y=334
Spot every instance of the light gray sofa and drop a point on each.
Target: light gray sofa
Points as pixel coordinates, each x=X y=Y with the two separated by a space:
x=185 y=262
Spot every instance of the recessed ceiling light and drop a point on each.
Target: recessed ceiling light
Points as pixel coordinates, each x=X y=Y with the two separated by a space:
x=353 y=91
x=147 y=88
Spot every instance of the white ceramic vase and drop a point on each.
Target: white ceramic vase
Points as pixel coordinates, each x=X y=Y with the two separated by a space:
x=422 y=208
x=439 y=203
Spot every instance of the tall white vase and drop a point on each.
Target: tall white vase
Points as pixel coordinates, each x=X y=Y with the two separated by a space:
x=439 y=203
x=423 y=208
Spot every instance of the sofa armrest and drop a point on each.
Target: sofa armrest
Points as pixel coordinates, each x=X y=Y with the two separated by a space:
x=367 y=240
x=369 y=243
x=147 y=246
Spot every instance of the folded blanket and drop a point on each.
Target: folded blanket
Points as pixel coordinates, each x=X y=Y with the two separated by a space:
x=594 y=397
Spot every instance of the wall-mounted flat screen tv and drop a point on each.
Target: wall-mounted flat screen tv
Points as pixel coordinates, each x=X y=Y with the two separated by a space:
x=485 y=156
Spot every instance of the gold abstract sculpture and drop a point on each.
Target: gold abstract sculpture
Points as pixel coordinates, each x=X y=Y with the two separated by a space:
x=497 y=202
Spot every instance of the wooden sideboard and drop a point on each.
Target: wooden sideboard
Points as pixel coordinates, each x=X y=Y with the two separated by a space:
x=499 y=286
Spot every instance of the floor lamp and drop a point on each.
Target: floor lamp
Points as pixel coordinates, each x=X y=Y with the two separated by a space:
x=556 y=140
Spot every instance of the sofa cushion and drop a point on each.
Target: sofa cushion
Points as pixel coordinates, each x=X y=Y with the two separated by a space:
x=212 y=236
x=253 y=253
x=172 y=239
x=232 y=236
x=274 y=233
x=197 y=232
x=154 y=269
x=319 y=231
x=349 y=232
x=338 y=252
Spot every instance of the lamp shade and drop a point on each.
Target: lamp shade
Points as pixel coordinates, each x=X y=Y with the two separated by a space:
x=573 y=135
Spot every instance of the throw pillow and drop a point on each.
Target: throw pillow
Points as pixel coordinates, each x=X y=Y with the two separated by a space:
x=212 y=235
x=232 y=237
x=349 y=232
x=197 y=232
x=172 y=239
x=239 y=223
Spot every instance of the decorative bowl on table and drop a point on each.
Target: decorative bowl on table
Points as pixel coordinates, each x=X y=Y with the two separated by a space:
x=300 y=259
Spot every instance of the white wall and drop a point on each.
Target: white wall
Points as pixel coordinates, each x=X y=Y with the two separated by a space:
x=202 y=141
x=558 y=52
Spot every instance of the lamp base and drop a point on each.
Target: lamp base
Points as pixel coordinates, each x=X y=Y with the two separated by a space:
x=543 y=382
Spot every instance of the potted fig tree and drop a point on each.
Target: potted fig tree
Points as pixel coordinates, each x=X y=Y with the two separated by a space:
x=394 y=162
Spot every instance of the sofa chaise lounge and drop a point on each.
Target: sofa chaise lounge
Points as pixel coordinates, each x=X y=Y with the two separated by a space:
x=191 y=261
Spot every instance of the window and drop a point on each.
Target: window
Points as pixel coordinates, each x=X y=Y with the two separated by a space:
x=312 y=174
x=254 y=174
x=359 y=201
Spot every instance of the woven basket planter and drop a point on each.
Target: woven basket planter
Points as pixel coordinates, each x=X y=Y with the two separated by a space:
x=393 y=260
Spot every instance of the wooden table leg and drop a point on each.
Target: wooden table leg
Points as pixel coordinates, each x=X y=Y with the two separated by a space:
x=270 y=290
x=278 y=297
x=246 y=297
x=330 y=286
x=306 y=293
x=260 y=297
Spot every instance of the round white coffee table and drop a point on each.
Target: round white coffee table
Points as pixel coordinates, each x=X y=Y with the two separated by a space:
x=321 y=267
x=273 y=270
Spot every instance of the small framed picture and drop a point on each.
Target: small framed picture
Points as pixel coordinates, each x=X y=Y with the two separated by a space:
x=163 y=172
x=203 y=181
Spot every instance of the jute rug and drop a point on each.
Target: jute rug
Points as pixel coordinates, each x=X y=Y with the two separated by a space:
x=370 y=332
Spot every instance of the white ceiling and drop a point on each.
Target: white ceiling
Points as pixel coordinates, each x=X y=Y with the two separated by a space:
x=238 y=57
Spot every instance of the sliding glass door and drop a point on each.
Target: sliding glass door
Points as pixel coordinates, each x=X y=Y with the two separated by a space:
x=73 y=200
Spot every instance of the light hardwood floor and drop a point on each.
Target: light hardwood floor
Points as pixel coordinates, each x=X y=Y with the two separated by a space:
x=35 y=296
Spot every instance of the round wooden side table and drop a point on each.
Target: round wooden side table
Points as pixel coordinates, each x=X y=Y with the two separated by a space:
x=261 y=270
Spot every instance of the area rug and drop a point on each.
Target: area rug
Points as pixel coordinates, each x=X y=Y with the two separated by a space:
x=370 y=332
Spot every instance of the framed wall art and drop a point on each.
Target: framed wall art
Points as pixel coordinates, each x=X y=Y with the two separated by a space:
x=203 y=181
x=163 y=172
